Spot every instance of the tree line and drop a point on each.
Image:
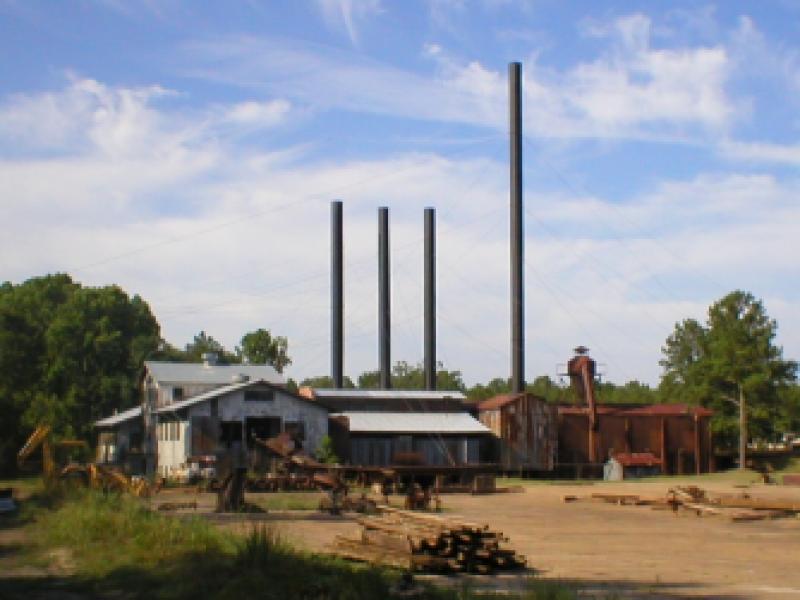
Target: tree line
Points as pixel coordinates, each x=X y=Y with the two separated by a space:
x=70 y=355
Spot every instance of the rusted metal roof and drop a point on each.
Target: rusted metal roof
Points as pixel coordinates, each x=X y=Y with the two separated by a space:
x=502 y=399
x=637 y=459
x=639 y=410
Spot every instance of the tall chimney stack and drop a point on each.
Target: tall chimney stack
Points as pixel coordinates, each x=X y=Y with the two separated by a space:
x=517 y=231
x=430 y=300
x=384 y=312
x=337 y=296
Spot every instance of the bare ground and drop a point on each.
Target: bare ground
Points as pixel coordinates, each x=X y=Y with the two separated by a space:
x=603 y=549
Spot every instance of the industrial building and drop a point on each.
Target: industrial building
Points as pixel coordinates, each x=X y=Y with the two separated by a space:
x=197 y=409
x=379 y=428
x=525 y=432
x=675 y=437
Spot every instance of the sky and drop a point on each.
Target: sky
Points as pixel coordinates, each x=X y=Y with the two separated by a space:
x=189 y=152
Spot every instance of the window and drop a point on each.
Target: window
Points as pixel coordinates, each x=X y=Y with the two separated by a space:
x=177 y=394
x=259 y=395
x=169 y=431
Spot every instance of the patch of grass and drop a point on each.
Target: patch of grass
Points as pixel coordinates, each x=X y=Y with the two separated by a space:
x=285 y=500
x=512 y=481
x=260 y=547
x=792 y=466
x=106 y=530
x=116 y=546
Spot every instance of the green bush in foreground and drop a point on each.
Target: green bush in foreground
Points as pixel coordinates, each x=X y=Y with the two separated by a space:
x=118 y=546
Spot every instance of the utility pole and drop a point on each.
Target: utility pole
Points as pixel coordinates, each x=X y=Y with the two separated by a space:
x=742 y=430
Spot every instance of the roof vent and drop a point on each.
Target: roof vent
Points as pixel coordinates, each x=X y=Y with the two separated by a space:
x=240 y=378
x=209 y=359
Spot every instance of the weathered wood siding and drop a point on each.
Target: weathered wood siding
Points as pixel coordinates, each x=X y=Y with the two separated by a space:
x=526 y=433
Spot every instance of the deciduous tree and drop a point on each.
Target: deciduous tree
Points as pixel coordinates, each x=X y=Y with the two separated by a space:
x=732 y=365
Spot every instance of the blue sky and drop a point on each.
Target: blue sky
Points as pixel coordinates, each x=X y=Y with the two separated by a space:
x=188 y=151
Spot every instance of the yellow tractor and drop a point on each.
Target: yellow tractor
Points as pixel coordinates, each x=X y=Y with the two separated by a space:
x=93 y=475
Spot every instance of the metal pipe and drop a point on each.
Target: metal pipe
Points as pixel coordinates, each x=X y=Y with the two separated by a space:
x=337 y=296
x=430 y=299
x=384 y=309
x=517 y=231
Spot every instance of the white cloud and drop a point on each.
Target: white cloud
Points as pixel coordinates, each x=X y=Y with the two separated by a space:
x=227 y=238
x=258 y=113
x=631 y=90
x=761 y=57
x=349 y=14
x=761 y=152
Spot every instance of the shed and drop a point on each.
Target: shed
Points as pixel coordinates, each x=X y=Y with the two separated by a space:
x=381 y=438
x=625 y=465
x=120 y=439
x=525 y=431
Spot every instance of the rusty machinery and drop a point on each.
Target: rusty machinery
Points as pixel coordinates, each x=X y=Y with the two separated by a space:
x=582 y=370
x=93 y=475
x=302 y=469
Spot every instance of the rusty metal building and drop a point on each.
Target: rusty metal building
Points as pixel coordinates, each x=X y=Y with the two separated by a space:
x=525 y=431
x=677 y=435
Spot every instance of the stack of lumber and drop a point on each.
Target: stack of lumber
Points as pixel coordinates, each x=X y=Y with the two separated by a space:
x=737 y=508
x=425 y=542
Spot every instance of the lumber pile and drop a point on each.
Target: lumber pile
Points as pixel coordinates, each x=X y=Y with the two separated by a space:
x=424 y=542
x=737 y=508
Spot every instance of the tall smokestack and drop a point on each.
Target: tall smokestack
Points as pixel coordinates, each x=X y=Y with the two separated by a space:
x=337 y=296
x=430 y=300
x=384 y=312
x=517 y=231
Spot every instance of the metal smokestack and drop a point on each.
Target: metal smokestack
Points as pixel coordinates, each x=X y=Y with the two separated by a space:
x=384 y=312
x=430 y=299
x=337 y=296
x=517 y=231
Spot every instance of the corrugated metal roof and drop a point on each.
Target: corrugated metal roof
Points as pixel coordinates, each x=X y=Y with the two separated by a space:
x=125 y=415
x=173 y=372
x=215 y=393
x=390 y=422
x=227 y=389
x=389 y=394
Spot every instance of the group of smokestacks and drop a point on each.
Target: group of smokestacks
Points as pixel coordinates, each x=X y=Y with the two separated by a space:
x=384 y=294
x=384 y=313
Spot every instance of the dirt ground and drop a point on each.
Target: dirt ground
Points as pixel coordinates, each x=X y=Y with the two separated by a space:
x=603 y=549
